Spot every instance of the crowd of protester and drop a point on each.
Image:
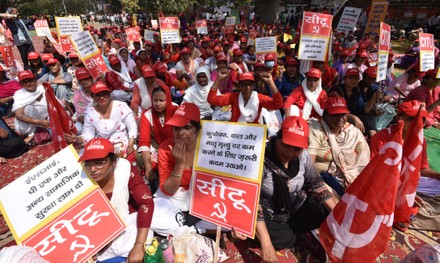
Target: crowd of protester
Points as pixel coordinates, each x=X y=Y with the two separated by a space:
x=148 y=106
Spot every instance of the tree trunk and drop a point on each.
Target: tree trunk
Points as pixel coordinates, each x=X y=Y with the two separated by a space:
x=267 y=10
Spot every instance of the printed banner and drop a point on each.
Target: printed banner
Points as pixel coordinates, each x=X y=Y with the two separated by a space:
x=264 y=46
x=8 y=56
x=384 y=50
x=315 y=34
x=66 y=44
x=67 y=26
x=149 y=35
x=378 y=11
x=202 y=26
x=154 y=24
x=133 y=34
x=348 y=19
x=426 y=42
x=229 y=27
x=89 y=53
x=41 y=28
x=252 y=36
x=169 y=30
x=227 y=174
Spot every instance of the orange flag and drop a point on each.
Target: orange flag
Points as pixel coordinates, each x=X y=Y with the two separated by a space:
x=410 y=173
x=359 y=226
x=60 y=121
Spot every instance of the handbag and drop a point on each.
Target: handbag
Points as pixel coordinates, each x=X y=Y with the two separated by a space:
x=42 y=135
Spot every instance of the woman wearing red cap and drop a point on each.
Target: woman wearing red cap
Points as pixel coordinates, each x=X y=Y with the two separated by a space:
x=246 y=105
x=185 y=70
x=36 y=65
x=293 y=198
x=290 y=79
x=308 y=99
x=128 y=194
x=338 y=149
x=111 y=119
x=153 y=131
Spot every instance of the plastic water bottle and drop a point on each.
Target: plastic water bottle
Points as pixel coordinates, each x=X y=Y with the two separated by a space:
x=167 y=250
x=154 y=253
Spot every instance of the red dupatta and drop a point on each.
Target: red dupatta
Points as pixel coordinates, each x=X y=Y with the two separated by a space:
x=162 y=133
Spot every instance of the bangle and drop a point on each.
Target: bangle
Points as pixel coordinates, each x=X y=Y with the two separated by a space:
x=176 y=175
x=139 y=242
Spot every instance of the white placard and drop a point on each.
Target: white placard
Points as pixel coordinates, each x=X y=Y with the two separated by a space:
x=149 y=35
x=68 y=25
x=85 y=44
x=313 y=48
x=348 y=19
x=265 y=44
x=41 y=28
x=32 y=198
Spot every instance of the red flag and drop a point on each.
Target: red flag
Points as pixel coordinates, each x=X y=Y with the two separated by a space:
x=410 y=173
x=60 y=121
x=359 y=226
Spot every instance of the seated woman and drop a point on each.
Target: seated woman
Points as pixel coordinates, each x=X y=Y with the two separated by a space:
x=338 y=149
x=153 y=131
x=128 y=194
x=308 y=99
x=246 y=105
x=30 y=106
x=60 y=80
x=126 y=60
x=198 y=93
x=7 y=89
x=36 y=65
x=290 y=79
x=225 y=85
x=110 y=119
x=293 y=196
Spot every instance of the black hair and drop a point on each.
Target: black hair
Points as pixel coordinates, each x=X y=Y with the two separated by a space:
x=248 y=48
x=113 y=157
x=196 y=124
x=157 y=89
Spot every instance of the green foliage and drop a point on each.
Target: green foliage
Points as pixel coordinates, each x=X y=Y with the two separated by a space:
x=231 y=3
x=168 y=7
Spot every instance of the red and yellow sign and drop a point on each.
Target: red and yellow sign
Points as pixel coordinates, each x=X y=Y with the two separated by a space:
x=315 y=36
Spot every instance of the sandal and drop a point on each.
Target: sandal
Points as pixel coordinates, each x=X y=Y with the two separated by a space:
x=403 y=227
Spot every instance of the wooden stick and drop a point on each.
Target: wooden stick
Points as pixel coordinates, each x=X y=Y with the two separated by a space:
x=217 y=243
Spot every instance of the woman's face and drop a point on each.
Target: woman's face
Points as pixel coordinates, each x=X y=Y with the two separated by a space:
x=222 y=64
x=185 y=58
x=100 y=169
x=102 y=98
x=202 y=79
x=352 y=81
x=312 y=83
x=291 y=70
x=336 y=121
x=29 y=84
x=34 y=62
x=86 y=83
x=190 y=45
x=246 y=88
x=251 y=51
x=159 y=101
x=285 y=152
x=54 y=68
x=124 y=54
x=186 y=134
x=142 y=56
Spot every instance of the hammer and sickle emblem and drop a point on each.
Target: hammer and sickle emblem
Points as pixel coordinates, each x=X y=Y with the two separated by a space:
x=342 y=233
x=85 y=246
x=221 y=211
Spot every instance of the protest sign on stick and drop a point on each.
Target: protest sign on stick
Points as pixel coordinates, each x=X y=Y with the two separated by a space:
x=169 y=30
x=41 y=28
x=8 y=55
x=384 y=50
x=67 y=26
x=378 y=11
x=315 y=36
x=348 y=20
x=427 y=58
x=265 y=46
x=202 y=26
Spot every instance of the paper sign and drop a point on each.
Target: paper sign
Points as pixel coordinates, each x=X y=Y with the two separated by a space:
x=66 y=45
x=202 y=26
x=252 y=36
x=80 y=232
x=41 y=28
x=384 y=47
x=348 y=19
x=228 y=169
x=265 y=46
x=8 y=56
x=89 y=53
x=67 y=26
x=154 y=24
x=169 y=30
x=427 y=57
x=378 y=11
x=149 y=35
x=133 y=34
x=229 y=27
x=315 y=34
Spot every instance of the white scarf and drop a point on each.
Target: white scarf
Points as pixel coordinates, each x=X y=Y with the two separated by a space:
x=130 y=64
x=120 y=194
x=23 y=97
x=143 y=91
x=249 y=112
x=198 y=94
x=125 y=76
x=312 y=100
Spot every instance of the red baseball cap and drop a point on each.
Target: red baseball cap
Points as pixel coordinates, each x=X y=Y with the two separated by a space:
x=269 y=57
x=46 y=56
x=259 y=65
x=97 y=148
x=185 y=50
x=2 y=68
x=117 y=40
x=352 y=72
x=336 y=105
x=155 y=34
x=148 y=43
x=160 y=67
x=206 y=39
x=52 y=61
x=345 y=52
x=33 y=55
x=113 y=60
x=225 y=43
x=246 y=76
x=362 y=54
x=73 y=55
x=371 y=72
x=82 y=73
x=291 y=61
x=99 y=86
x=185 y=113
x=25 y=74
x=237 y=52
x=221 y=58
x=411 y=108
x=243 y=40
x=147 y=71
x=314 y=73
x=217 y=49
x=432 y=73
x=295 y=132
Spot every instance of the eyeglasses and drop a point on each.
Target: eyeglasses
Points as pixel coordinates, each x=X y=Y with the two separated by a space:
x=99 y=164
